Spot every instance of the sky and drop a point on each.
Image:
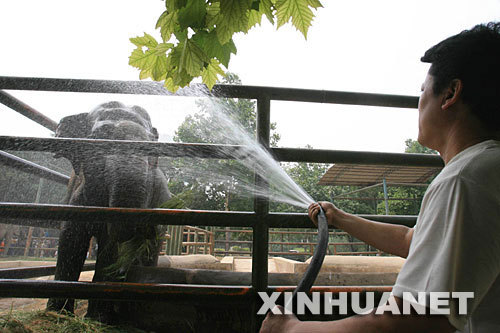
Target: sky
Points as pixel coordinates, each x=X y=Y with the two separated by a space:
x=353 y=45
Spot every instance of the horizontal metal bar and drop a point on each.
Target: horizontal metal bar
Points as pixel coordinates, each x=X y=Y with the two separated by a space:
x=335 y=289
x=27 y=111
x=149 y=292
x=355 y=157
x=33 y=168
x=216 y=151
x=139 y=216
x=199 y=150
x=136 y=216
x=298 y=220
x=116 y=291
x=237 y=91
x=31 y=272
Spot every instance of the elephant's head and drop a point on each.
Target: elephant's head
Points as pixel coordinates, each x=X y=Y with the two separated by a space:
x=111 y=120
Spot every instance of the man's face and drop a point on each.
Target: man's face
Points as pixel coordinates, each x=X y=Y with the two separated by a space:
x=431 y=119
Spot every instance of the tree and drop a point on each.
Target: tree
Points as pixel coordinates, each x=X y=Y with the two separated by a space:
x=412 y=194
x=217 y=184
x=196 y=36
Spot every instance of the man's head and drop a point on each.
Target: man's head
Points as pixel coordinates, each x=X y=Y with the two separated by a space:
x=473 y=58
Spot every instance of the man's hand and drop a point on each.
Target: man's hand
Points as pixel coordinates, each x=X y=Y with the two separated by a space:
x=332 y=213
x=279 y=323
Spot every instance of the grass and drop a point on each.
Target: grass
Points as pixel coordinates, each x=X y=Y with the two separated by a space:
x=52 y=322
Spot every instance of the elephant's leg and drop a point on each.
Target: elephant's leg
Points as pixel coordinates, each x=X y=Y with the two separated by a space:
x=72 y=250
x=107 y=253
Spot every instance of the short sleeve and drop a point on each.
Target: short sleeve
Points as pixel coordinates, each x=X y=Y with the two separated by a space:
x=455 y=245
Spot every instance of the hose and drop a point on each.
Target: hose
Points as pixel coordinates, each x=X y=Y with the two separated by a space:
x=314 y=267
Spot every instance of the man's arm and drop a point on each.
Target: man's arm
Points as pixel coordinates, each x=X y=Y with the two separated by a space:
x=370 y=323
x=390 y=238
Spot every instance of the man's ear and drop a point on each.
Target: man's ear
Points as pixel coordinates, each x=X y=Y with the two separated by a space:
x=452 y=94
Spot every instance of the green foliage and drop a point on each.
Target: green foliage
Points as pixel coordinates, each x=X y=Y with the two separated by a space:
x=144 y=244
x=413 y=146
x=197 y=36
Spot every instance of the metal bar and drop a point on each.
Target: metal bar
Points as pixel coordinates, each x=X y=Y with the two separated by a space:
x=27 y=111
x=240 y=91
x=31 y=272
x=386 y=197
x=120 y=146
x=137 y=216
x=33 y=168
x=260 y=250
x=148 y=292
x=356 y=191
x=355 y=157
x=50 y=213
x=217 y=151
x=115 y=291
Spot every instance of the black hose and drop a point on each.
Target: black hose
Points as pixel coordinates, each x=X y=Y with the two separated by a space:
x=312 y=271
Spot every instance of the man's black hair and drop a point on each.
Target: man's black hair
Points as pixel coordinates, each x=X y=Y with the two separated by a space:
x=473 y=56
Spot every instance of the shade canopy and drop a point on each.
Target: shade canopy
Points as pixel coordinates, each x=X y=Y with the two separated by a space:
x=365 y=175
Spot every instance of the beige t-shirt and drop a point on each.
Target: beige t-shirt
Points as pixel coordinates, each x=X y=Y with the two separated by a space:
x=456 y=241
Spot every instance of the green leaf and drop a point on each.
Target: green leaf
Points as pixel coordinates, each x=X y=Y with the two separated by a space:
x=192 y=58
x=235 y=19
x=168 y=24
x=254 y=18
x=170 y=85
x=146 y=40
x=209 y=42
x=193 y=15
x=314 y=4
x=159 y=68
x=150 y=64
x=298 y=11
x=213 y=11
x=210 y=73
x=266 y=7
x=162 y=48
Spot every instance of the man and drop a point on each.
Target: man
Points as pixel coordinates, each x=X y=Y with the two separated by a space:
x=455 y=245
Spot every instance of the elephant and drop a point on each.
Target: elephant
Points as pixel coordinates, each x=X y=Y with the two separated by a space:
x=106 y=179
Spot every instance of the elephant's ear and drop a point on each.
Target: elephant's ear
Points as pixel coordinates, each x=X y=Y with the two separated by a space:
x=154 y=131
x=74 y=126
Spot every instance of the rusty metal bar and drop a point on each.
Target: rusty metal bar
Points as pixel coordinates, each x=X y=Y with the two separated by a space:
x=27 y=111
x=30 y=167
x=115 y=291
x=238 y=91
x=147 y=292
x=31 y=272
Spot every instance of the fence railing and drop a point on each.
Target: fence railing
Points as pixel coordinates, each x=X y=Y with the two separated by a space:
x=260 y=220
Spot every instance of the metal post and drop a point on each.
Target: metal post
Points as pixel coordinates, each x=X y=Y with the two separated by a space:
x=386 y=197
x=260 y=250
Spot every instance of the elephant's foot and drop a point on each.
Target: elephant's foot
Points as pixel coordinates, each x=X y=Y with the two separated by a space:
x=61 y=304
x=102 y=311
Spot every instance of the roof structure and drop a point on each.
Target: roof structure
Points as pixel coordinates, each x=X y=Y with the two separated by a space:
x=366 y=175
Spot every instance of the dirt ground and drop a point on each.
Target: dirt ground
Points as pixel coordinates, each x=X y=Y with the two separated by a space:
x=33 y=304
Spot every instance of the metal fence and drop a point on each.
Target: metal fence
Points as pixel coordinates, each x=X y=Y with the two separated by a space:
x=260 y=220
